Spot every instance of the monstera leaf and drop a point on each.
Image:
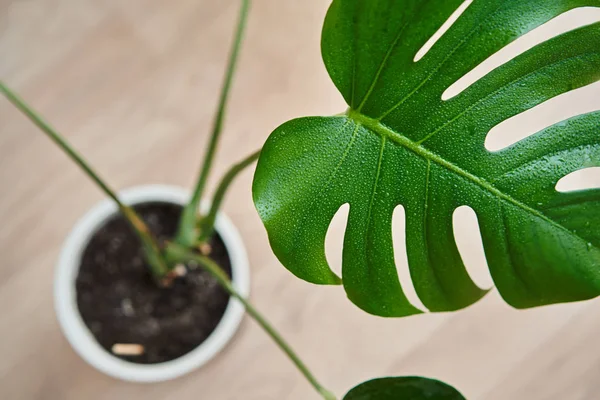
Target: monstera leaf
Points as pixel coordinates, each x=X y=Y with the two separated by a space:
x=399 y=143
x=403 y=388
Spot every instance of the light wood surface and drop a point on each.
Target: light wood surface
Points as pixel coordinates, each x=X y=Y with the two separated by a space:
x=133 y=85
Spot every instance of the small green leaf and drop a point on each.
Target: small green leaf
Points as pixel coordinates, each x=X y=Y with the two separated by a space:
x=403 y=388
x=401 y=144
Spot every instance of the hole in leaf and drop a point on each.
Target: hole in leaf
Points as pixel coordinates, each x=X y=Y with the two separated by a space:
x=401 y=257
x=334 y=239
x=587 y=178
x=563 y=23
x=557 y=109
x=470 y=245
x=443 y=29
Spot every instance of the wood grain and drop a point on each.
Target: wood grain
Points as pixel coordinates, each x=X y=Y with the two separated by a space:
x=133 y=85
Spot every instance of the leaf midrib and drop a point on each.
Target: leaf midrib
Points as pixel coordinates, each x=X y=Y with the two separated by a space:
x=375 y=126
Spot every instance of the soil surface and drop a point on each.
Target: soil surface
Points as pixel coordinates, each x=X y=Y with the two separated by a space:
x=120 y=303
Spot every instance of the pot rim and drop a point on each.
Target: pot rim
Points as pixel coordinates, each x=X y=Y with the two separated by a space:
x=84 y=342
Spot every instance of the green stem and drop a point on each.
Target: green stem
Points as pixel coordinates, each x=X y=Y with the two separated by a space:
x=186 y=235
x=181 y=254
x=153 y=254
x=208 y=222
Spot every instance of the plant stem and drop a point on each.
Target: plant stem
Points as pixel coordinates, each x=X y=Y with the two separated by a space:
x=186 y=235
x=207 y=223
x=152 y=250
x=181 y=254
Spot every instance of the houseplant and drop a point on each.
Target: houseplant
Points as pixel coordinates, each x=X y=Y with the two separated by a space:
x=123 y=306
x=400 y=126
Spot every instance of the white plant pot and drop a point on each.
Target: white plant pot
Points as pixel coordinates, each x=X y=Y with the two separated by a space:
x=80 y=337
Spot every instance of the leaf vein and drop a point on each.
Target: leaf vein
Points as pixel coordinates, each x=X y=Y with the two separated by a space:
x=377 y=175
x=441 y=64
x=495 y=92
x=381 y=129
x=384 y=61
x=328 y=182
x=532 y=162
x=374 y=191
x=510 y=251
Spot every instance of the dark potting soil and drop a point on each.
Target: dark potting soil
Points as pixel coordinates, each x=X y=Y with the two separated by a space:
x=120 y=303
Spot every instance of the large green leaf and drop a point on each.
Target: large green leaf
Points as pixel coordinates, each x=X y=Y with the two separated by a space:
x=403 y=388
x=401 y=144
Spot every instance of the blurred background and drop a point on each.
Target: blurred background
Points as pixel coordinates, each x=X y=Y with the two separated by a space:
x=133 y=85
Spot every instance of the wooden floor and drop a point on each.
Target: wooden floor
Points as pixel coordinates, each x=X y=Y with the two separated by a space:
x=133 y=84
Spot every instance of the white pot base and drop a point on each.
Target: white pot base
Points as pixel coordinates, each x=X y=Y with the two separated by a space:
x=82 y=340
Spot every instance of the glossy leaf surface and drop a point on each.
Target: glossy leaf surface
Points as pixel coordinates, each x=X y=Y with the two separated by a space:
x=401 y=144
x=403 y=388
